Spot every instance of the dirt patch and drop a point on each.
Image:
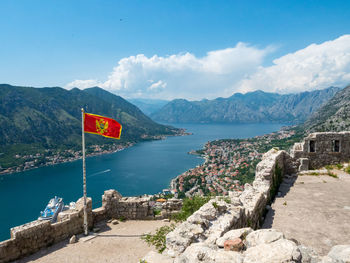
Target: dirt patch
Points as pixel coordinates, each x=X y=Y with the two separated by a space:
x=314 y=209
x=114 y=243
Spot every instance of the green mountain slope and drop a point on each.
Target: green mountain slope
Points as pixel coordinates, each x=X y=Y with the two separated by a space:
x=333 y=116
x=252 y=107
x=37 y=119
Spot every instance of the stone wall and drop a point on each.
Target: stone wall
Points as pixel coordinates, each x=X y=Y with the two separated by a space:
x=29 y=238
x=240 y=209
x=324 y=149
x=116 y=206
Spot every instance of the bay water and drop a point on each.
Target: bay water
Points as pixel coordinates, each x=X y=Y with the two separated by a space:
x=145 y=168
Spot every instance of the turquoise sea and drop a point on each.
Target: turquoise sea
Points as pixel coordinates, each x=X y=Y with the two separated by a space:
x=145 y=168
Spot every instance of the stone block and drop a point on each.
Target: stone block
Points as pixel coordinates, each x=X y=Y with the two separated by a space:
x=233 y=234
x=154 y=257
x=304 y=164
x=340 y=253
x=234 y=245
x=263 y=236
x=276 y=252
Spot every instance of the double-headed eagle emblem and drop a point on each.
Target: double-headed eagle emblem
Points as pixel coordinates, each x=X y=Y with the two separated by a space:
x=101 y=126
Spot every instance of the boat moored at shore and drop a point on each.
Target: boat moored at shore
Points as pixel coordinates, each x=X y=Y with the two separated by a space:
x=51 y=211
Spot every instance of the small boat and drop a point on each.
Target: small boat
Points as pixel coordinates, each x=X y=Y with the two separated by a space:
x=51 y=211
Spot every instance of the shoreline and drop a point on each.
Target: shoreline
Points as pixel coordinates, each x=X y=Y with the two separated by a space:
x=172 y=183
x=67 y=160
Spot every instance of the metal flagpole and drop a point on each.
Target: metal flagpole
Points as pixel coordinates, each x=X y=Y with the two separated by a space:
x=84 y=172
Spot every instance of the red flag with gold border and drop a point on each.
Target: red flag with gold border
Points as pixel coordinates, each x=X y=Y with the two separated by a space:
x=101 y=125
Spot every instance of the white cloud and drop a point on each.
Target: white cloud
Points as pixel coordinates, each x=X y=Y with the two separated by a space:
x=224 y=72
x=182 y=75
x=157 y=86
x=314 y=67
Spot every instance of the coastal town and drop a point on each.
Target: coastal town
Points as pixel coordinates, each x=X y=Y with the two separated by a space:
x=229 y=164
x=51 y=157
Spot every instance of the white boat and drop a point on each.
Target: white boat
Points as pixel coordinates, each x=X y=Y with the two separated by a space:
x=51 y=211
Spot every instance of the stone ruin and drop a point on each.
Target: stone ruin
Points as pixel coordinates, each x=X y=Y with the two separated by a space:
x=322 y=148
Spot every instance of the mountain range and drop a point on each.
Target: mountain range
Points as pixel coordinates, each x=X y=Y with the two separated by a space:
x=252 y=107
x=148 y=106
x=332 y=116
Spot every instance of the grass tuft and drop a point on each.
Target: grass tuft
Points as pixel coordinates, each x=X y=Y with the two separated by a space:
x=347 y=169
x=339 y=166
x=329 y=173
x=314 y=173
x=329 y=167
x=159 y=238
x=190 y=205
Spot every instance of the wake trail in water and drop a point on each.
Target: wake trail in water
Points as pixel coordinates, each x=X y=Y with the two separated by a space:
x=101 y=172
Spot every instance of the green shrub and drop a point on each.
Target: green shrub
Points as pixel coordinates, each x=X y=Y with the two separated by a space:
x=331 y=174
x=315 y=173
x=347 y=169
x=189 y=206
x=157 y=212
x=226 y=199
x=168 y=196
x=215 y=205
x=158 y=239
x=339 y=166
x=122 y=218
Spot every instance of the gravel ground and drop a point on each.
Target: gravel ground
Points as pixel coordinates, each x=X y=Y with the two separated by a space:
x=315 y=211
x=114 y=243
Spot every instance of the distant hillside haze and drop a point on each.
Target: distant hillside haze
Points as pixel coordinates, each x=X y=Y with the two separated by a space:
x=51 y=117
x=148 y=106
x=332 y=116
x=252 y=107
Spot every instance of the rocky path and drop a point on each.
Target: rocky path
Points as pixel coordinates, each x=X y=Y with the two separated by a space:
x=315 y=210
x=119 y=243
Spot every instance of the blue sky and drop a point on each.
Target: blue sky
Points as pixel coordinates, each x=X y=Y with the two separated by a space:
x=54 y=43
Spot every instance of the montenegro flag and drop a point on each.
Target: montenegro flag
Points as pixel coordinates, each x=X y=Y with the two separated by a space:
x=100 y=125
